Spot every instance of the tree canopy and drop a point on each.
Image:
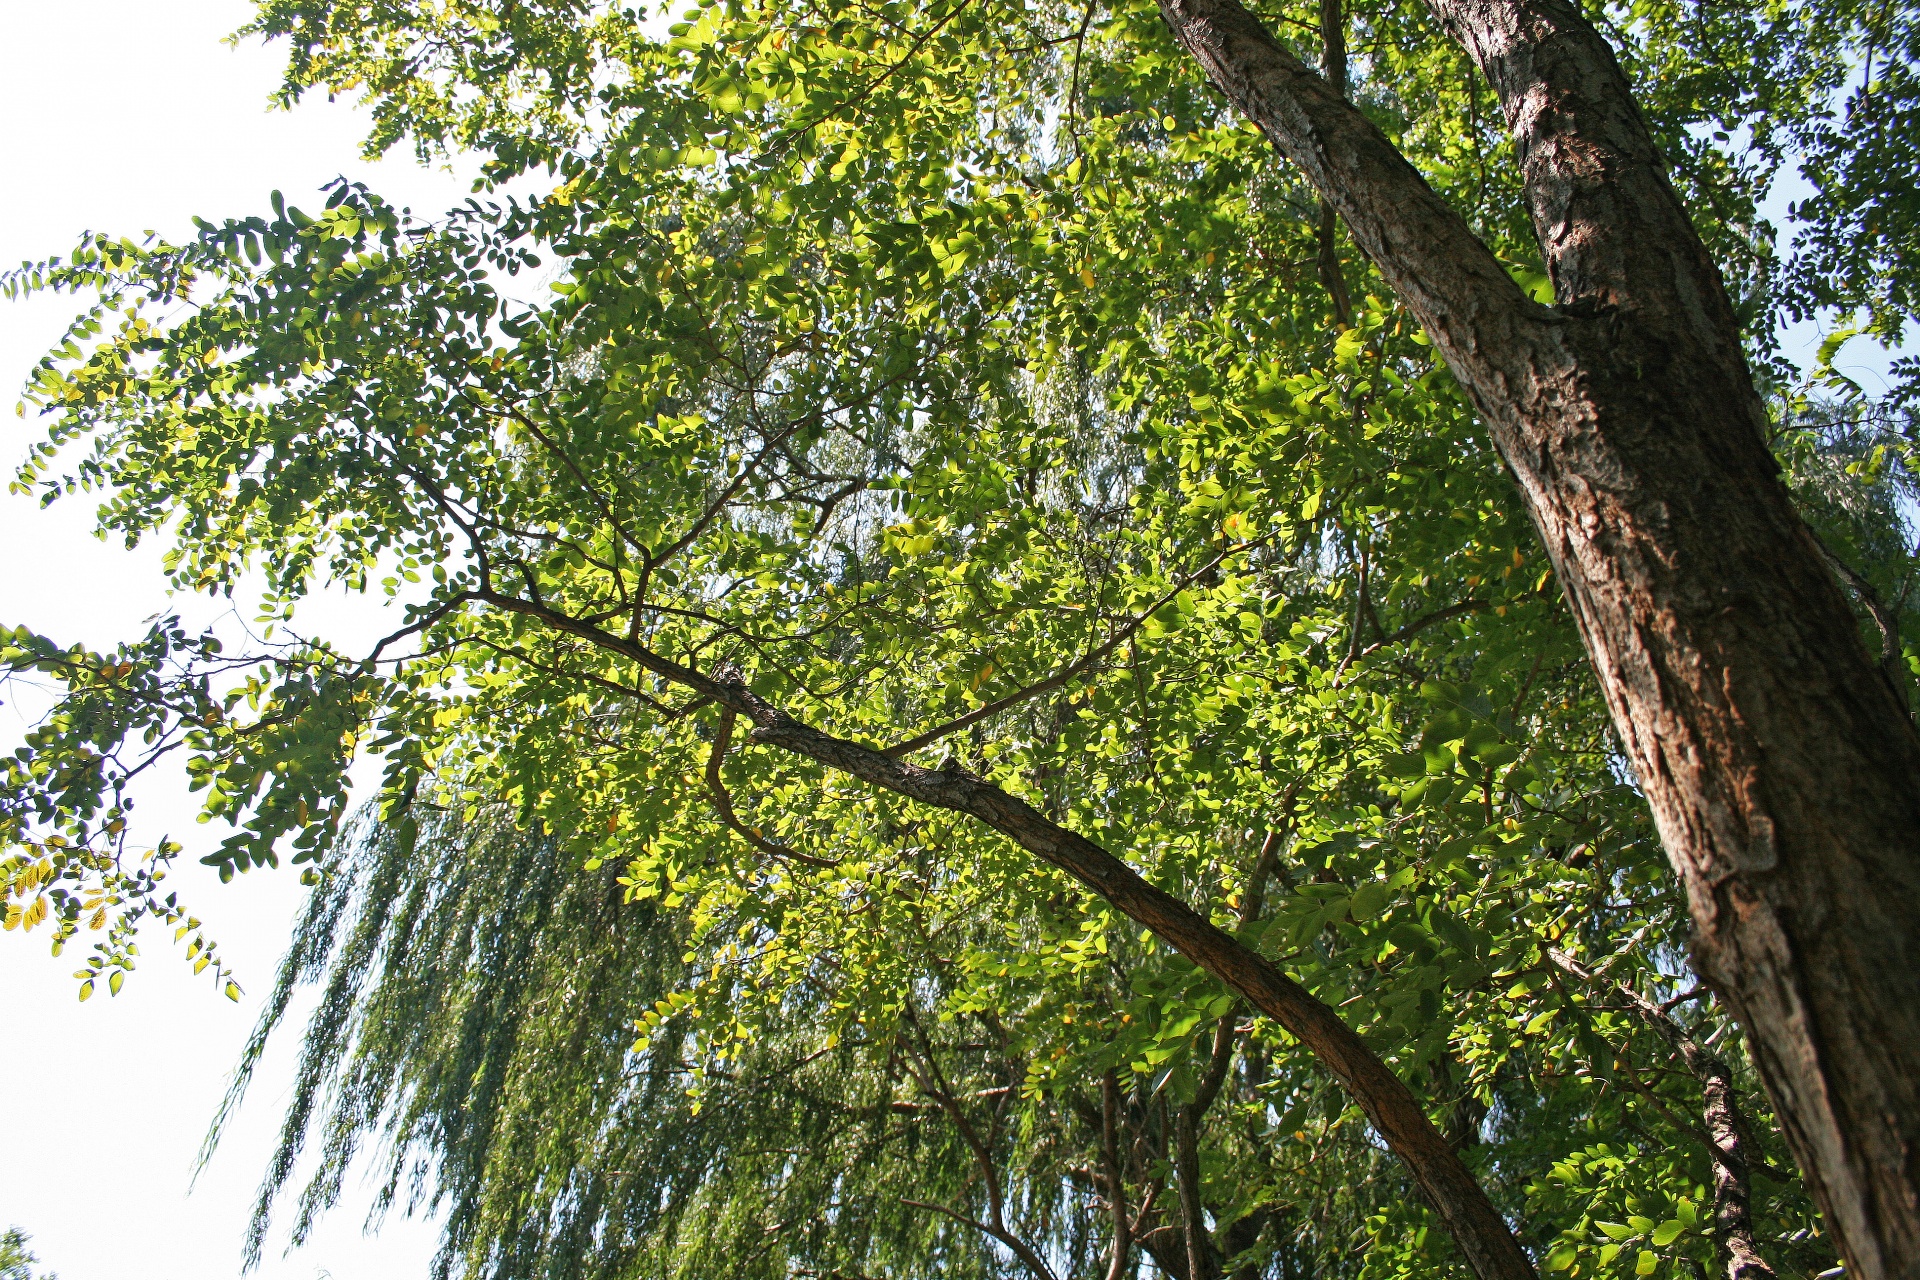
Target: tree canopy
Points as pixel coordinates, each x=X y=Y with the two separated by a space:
x=967 y=387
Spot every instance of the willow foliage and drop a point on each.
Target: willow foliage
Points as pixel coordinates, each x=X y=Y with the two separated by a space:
x=477 y=1022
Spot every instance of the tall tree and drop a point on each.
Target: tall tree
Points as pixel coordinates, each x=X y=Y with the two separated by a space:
x=1783 y=771
x=964 y=385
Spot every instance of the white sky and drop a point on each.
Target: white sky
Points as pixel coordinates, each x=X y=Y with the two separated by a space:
x=124 y=116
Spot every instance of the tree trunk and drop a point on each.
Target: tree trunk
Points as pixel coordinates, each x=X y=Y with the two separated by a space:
x=1782 y=773
x=1186 y=1176
x=1115 y=1167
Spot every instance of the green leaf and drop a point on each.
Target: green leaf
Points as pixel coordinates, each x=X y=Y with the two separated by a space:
x=1830 y=346
x=1369 y=900
x=1497 y=754
x=1411 y=764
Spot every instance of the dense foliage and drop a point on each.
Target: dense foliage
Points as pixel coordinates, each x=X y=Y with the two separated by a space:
x=967 y=381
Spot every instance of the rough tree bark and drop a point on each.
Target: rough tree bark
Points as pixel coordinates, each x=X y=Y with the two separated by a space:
x=1333 y=65
x=1781 y=771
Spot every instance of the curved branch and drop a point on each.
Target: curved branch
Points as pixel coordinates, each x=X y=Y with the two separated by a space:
x=724 y=802
x=1031 y=1260
x=1062 y=676
x=420 y=624
x=1420 y=624
x=1450 y=1187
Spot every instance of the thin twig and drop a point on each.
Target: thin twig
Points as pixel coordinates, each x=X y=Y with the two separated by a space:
x=1021 y=1251
x=1065 y=674
x=1420 y=624
x=1892 y=668
x=724 y=802
x=1073 y=94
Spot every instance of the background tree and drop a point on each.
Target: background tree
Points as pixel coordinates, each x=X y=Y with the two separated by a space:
x=16 y=1260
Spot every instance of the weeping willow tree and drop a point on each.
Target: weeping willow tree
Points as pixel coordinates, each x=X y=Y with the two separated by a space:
x=969 y=688
x=475 y=1029
x=476 y=1024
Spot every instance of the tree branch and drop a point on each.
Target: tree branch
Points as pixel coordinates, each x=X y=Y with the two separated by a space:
x=1892 y=666
x=724 y=802
x=1420 y=624
x=1186 y=1172
x=1116 y=1175
x=1455 y=286
x=1732 y=1188
x=1065 y=674
x=1031 y=1260
x=1452 y=1189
